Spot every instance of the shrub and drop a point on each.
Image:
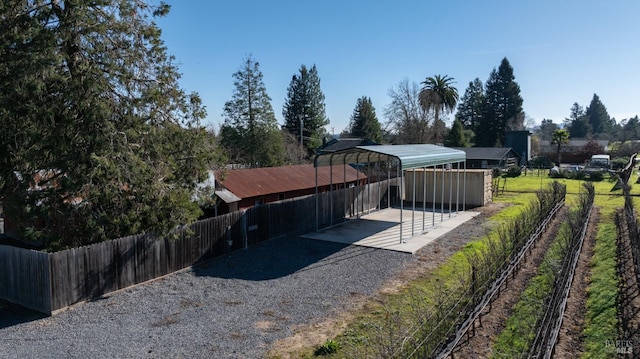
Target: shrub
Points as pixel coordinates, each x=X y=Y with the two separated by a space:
x=596 y=176
x=540 y=162
x=513 y=171
x=329 y=347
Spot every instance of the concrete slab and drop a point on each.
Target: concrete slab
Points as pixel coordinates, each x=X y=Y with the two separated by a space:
x=381 y=229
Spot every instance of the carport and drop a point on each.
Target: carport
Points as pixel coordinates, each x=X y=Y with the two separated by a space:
x=403 y=159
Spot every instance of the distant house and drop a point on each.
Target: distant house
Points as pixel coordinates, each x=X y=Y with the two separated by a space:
x=244 y=188
x=574 y=145
x=339 y=144
x=490 y=157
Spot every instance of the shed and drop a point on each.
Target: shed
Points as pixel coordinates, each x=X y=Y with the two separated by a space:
x=244 y=188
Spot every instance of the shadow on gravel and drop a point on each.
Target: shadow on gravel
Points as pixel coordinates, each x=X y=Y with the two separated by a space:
x=11 y=314
x=278 y=258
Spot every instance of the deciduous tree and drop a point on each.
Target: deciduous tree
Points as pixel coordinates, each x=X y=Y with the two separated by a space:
x=408 y=121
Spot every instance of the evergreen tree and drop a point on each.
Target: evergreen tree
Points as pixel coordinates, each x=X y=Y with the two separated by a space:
x=598 y=117
x=502 y=107
x=457 y=135
x=471 y=105
x=364 y=122
x=92 y=114
x=578 y=123
x=305 y=103
x=250 y=130
x=547 y=128
x=630 y=129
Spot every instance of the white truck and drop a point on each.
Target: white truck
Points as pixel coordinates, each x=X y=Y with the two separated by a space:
x=599 y=163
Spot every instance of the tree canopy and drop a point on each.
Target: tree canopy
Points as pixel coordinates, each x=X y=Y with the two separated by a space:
x=598 y=117
x=408 y=121
x=97 y=139
x=364 y=122
x=250 y=132
x=305 y=103
x=438 y=95
x=502 y=110
x=471 y=105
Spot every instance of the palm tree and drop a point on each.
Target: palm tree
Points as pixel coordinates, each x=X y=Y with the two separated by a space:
x=438 y=94
x=560 y=137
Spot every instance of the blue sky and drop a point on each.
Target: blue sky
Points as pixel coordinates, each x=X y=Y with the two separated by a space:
x=561 y=51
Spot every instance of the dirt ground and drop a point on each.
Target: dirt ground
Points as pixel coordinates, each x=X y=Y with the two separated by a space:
x=423 y=261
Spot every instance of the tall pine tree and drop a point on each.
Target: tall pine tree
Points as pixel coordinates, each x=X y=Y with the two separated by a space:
x=578 y=123
x=598 y=117
x=471 y=105
x=305 y=105
x=93 y=117
x=250 y=131
x=502 y=107
x=364 y=122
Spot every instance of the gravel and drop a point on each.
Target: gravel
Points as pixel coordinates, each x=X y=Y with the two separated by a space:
x=235 y=306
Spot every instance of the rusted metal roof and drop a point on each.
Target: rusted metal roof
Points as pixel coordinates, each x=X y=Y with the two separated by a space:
x=253 y=182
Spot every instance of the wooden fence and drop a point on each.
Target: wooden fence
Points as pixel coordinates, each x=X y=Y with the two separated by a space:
x=47 y=282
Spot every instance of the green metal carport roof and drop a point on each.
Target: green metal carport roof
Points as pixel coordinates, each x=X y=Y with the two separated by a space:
x=410 y=156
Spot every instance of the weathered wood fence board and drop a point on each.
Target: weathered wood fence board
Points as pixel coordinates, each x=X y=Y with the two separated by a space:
x=24 y=277
x=50 y=281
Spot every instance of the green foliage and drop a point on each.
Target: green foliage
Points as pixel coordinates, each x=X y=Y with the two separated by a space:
x=93 y=116
x=541 y=162
x=471 y=104
x=598 y=116
x=364 y=122
x=329 y=347
x=619 y=163
x=513 y=171
x=547 y=128
x=596 y=176
x=250 y=132
x=438 y=95
x=578 y=123
x=502 y=110
x=559 y=138
x=305 y=101
x=457 y=137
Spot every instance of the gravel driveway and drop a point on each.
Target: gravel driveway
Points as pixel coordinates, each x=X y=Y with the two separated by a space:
x=232 y=307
